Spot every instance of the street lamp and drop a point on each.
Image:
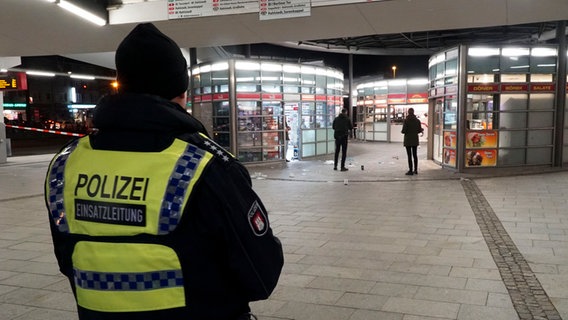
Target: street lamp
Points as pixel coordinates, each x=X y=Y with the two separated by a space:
x=393 y=72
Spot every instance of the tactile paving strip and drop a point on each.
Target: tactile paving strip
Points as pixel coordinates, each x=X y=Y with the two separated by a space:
x=528 y=297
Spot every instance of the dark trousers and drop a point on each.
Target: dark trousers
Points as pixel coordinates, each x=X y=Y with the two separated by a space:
x=340 y=143
x=411 y=154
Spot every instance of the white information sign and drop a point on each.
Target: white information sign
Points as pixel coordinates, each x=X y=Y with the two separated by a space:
x=280 y=9
x=180 y=9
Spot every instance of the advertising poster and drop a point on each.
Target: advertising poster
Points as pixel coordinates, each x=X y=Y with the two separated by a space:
x=481 y=139
x=449 y=139
x=450 y=157
x=481 y=157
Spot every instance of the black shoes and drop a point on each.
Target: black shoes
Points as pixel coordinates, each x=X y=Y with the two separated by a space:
x=344 y=169
x=409 y=173
x=335 y=168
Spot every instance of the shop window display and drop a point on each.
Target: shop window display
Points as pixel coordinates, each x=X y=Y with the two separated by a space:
x=508 y=108
x=266 y=94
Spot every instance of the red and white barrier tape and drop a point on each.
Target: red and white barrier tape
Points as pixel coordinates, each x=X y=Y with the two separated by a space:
x=46 y=130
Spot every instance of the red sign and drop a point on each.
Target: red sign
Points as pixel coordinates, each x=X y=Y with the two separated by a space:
x=308 y=97
x=271 y=96
x=417 y=98
x=197 y=98
x=543 y=87
x=510 y=87
x=220 y=96
x=395 y=98
x=206 y=97
x=483 y=88
x=248 y=96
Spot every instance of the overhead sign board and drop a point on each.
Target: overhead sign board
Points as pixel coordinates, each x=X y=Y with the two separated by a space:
x=281 y=9
x=13 y=81
x=181 y=9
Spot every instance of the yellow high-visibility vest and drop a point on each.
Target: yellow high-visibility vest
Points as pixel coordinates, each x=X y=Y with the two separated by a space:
x=102 y=193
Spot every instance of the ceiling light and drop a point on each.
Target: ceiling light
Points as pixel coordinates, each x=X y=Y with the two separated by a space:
x=81 y=12
x=40 y=73
x=80 y=76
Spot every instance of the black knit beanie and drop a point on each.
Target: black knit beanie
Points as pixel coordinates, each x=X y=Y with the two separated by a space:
x=148 y=61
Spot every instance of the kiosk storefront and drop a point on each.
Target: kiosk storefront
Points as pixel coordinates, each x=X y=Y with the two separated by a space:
x=248 y=104
x=383 y=105
x=495 y=107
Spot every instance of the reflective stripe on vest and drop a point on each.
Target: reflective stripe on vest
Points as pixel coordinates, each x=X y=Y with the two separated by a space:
x=127 y=277
x=101 y=192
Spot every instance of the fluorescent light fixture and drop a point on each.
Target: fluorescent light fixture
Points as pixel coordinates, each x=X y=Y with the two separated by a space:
x=417 y=81
x=73 y=94
x=243 y=65
x=81 y=12
x=515 y=52
x=307 y=70
x=520 y=67
x=40 y=73
x=296 y=69
x=80 y=106
x=51 y=1
x=220 y=66
x=270 y=67
x=80 y=76
x=397 y=82
x=482 y=52
x=546 y=65
x=3 y=70
x=543 y=52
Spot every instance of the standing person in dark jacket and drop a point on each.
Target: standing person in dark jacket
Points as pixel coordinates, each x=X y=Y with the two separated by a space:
x=411 y=128
x=341 y=126
x=150 y=218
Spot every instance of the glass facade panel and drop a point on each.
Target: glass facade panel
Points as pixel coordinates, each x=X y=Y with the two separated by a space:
x=541 y=101
x=511 y=157
x=539 y=156
x=308 y=136
x=541 y=119
x=514 y=60
x=511 y=102
x=512 y=139
x=321 y=148
x=512 y=120
x=481 y=65
x=539 y=137
x=308 y=150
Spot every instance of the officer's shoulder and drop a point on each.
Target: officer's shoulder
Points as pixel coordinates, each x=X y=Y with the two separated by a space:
x=205 y=143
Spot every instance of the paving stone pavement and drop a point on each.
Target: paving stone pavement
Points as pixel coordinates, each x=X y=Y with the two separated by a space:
x=382 y=246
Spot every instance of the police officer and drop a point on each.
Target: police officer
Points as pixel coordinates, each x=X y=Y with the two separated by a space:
x=150 y=218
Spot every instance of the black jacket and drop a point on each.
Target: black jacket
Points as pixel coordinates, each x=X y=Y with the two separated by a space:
x=226 y=265
x=411 y=128
x=341 y=126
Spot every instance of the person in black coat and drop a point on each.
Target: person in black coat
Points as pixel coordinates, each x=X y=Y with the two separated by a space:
x=411 y=128
x=341 y=126
x=221 y=251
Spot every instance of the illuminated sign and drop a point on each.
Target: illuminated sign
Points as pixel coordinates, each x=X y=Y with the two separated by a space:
x=13 y=81
x=12 y=106
x=483 y=88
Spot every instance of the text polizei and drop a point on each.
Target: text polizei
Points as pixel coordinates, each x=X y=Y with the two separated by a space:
x=118 y=187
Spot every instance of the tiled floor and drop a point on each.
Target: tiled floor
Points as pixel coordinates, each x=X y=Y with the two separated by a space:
x=382 y=246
